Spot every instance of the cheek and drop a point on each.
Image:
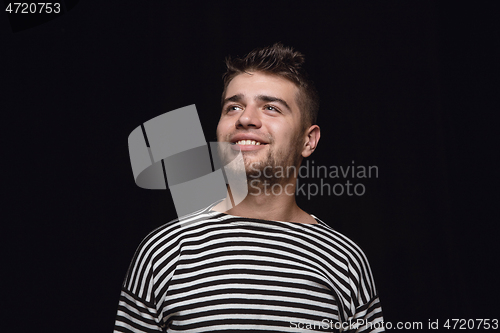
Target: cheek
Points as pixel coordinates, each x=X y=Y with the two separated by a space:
x=290 y=141
x=223 y=129
x=283 y=137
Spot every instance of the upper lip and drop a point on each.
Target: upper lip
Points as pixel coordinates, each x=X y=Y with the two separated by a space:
x=239 y=137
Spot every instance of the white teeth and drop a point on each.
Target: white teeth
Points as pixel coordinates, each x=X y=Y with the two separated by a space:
x=248 y=142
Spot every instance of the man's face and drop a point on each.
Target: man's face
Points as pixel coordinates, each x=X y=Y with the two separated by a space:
x=262 y=108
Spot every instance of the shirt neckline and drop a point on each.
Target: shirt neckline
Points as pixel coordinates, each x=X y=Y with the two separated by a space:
x=251 y=219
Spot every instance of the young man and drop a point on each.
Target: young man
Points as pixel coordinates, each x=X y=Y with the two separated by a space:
x=264 y=264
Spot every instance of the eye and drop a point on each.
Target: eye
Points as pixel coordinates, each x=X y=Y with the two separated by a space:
x=271 y=108
x=233 y=108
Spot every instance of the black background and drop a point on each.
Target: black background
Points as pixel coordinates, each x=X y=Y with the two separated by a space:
x=409 y=86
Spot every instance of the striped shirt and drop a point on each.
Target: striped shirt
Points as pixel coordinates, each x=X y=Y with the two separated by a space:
x=213 y=272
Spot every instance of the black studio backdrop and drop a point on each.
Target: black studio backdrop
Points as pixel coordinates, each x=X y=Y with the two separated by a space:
x=409 y=87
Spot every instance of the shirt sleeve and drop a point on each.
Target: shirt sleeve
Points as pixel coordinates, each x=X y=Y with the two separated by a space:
x=136 y=315
x=368 y=318
x=366 y=310
x=139 y=310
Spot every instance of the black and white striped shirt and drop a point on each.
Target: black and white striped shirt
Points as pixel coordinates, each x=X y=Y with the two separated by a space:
x=214 y=272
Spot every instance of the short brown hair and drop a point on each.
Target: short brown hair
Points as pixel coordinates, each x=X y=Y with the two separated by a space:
x=282 y=61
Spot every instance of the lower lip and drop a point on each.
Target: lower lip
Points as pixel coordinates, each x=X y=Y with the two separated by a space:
x=247 y=147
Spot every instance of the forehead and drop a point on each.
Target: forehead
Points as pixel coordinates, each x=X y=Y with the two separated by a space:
x=258 y=83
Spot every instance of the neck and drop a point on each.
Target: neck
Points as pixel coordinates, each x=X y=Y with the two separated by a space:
x=264 y=204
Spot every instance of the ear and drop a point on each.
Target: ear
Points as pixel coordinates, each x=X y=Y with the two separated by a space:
x=312 y=136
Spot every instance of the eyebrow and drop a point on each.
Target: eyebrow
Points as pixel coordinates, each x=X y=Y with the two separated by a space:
x=263 y=98
x=235 y=98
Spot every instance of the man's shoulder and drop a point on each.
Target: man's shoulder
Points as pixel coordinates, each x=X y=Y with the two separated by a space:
x=176 y=228
x=340 y=242
x=350 y=254
x=157 y=252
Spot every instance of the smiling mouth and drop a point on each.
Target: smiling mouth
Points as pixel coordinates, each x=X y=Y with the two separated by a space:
x=248 y=143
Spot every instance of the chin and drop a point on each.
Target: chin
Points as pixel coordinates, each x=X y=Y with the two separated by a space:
x=253 y=163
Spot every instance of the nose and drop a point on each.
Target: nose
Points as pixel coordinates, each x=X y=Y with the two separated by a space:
x=249 y=118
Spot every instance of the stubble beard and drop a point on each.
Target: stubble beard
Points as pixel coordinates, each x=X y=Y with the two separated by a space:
x=270 y=170
x=273 y=169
